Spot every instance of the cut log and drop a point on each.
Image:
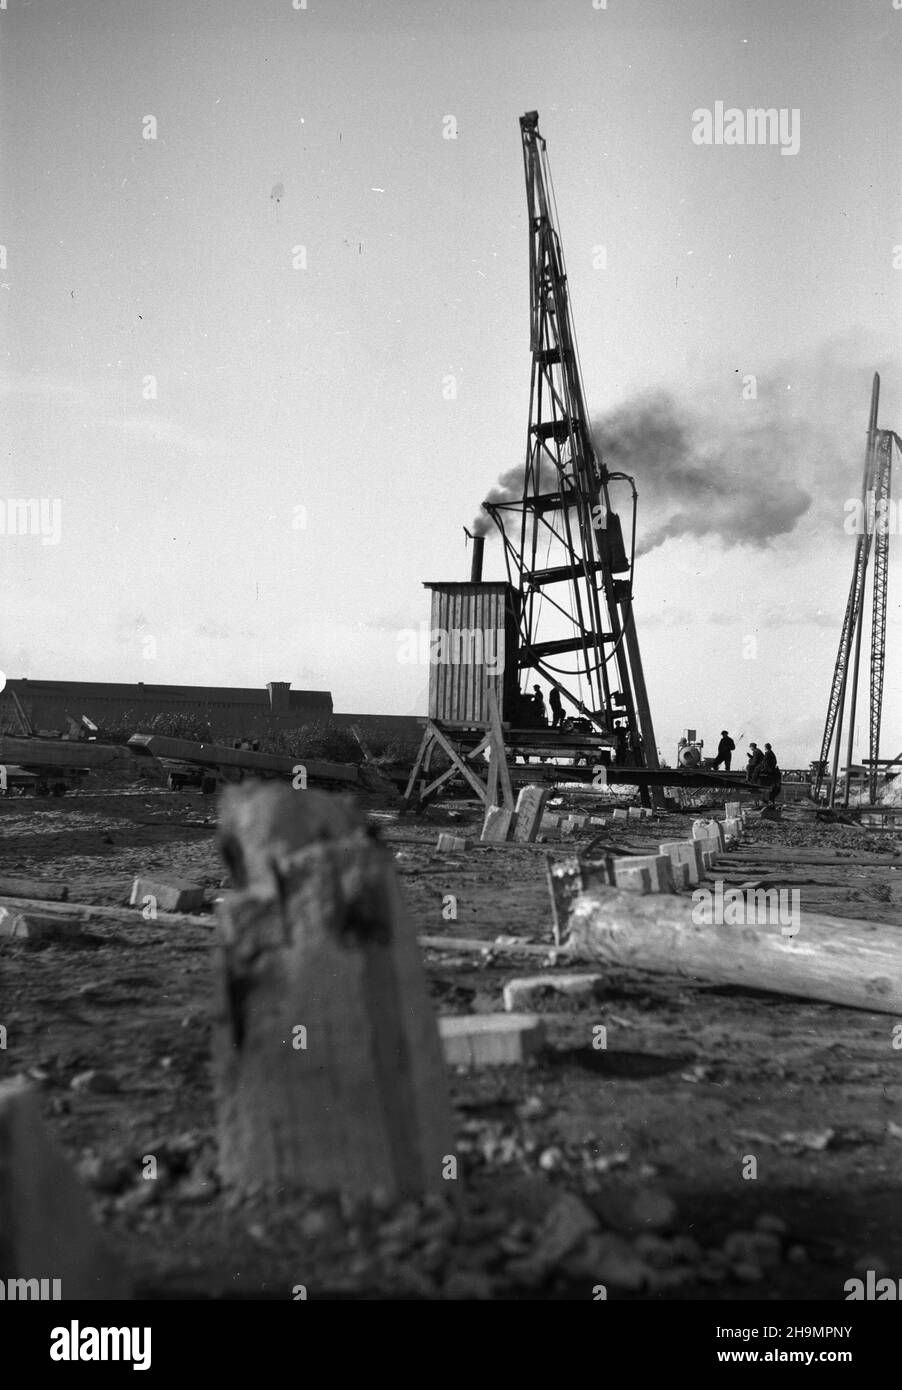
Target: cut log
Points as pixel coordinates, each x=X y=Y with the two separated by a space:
x=835 y=959
x=31 y=888
x=33 y=926
x=215 y=755
x=329 y=1068
x=779 y=854
x=464 y=944
x=85 y=911
x=46 y=1230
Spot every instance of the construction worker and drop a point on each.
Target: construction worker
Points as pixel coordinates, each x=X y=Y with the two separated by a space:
x=769 y=775
x=557 y=708
x=538 y=703
x=755 y=760
x=725 y=750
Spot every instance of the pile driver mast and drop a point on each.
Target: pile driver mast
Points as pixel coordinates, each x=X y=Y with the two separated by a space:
x=563 y=541
x=873 y=533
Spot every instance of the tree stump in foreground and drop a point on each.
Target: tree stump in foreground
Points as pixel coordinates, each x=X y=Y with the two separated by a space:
x=329 y=1069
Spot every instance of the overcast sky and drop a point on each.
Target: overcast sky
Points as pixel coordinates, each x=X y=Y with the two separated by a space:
x=254 y=455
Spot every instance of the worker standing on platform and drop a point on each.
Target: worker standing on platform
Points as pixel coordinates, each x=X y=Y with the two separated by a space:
x=769 y=775
x=756 y=759
x=725 y=750
x=538 y=703
x=557 y=708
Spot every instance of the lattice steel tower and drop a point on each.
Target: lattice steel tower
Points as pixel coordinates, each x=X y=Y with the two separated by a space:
x=563 y=542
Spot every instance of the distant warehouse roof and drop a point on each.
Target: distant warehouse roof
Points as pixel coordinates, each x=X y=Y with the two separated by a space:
x=277 y=693
x=49 y=703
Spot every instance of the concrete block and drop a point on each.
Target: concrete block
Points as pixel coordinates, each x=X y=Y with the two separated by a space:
x=34 y=926
x=598 y=820
x=682 y=877
x=659 y=868
x=498 y=824
x=169 y=894
x=550 y=822
x=452 y=844
x=621 y=813
x=708 y=830
x=688 y=852
x=525 y=992
x=709 y=858
x=47 y=1230
x=733 y=809
x=634 y=879
x=530 y=807
x=491 y=1040
x=732 y=831
x=634 y=812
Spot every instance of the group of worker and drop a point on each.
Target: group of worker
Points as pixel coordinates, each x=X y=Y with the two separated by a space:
x=537 y=700
x=761 y=768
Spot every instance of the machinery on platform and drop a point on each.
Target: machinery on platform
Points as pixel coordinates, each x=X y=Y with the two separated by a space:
x=689 y=749
x=563 y=541
x=565 y=613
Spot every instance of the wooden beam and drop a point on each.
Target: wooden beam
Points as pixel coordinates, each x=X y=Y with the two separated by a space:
x=437 y=782
x=498 y=753
x=478 y=787
x=61 y=752
x=217 y=755
x=31 y=888
x=420 y=760
x=835 y=959
x=468 y=944
x=85 y=911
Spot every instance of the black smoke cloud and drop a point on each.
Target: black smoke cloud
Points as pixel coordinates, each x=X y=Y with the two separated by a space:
x=744 y=472
x=698 y=479
x=509 y=488
x=693 y=478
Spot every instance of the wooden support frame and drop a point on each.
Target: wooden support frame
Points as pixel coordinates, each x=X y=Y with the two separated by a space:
x=498 y=776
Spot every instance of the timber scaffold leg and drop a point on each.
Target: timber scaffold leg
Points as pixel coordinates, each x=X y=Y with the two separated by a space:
x=492 y=742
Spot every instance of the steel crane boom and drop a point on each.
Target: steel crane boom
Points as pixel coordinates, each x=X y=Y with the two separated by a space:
x=563 y=540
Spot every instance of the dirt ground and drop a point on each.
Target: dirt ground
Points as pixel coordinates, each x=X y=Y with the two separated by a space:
x=651 y=1134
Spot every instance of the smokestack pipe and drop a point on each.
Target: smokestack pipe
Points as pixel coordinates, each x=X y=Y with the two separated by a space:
x=476 y=566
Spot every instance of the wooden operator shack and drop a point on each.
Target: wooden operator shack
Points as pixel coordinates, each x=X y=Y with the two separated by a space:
x=473 y=653
x=477 y=715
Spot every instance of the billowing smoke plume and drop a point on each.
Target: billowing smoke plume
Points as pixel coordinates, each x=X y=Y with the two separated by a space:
x=743 y=467
x=700 y=478
x=509 y=488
